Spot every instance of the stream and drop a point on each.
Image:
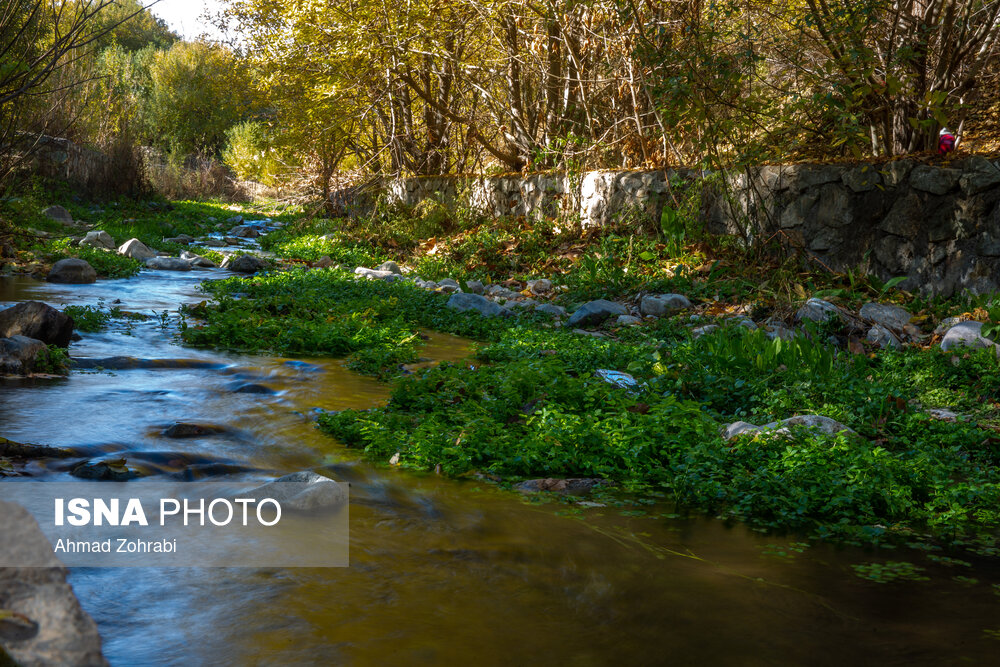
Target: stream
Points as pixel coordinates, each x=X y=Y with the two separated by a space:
x=442 y=571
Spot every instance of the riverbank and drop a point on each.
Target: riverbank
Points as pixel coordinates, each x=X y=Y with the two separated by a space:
x=660 y=363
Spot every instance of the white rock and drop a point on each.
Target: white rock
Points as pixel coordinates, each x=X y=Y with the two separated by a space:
x=136 y=249
x=967 y=334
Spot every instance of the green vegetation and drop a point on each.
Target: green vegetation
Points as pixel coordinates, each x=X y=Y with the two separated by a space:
x=530 y=403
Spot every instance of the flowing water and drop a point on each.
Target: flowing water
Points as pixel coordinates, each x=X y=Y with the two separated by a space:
x=444 y=572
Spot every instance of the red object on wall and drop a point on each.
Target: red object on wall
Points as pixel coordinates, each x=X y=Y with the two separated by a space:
x=946 y=143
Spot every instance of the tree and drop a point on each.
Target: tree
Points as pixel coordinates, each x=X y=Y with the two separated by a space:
x=197 y=93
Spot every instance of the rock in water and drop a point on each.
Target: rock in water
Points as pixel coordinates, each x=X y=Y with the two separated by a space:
x=18 y=355
x=463 y=301
x=54 y=628
x=98 y=239
x=168 y=264
x=310 y=491
x=596 y=312
x=72 y=271
x=244 y=264
x=136 y=249
x=38 y=320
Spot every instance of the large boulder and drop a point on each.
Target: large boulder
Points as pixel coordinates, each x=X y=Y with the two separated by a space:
x=18 y=355
x=463 y=301
x=967 y=334
x=168 y=264
x=37 y=320
x=98 y=239
x=136 y=249
x=595 y=312
x=72 y=271
x=658 y=305
x=244 y=264
x=50 y=628
x=244 y=232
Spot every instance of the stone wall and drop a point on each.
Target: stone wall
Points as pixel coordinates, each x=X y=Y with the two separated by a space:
x=80 y=166
x=938 y=225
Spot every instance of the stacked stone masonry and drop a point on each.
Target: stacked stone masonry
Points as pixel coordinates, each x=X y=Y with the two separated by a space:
x=939 y=225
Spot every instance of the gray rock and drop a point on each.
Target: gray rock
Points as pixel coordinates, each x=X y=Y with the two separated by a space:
x=817 y=310
x=773 y=331
x=244 y=264
x=393 y=278
x=883 y=338
x=942 y=414
x=244 y=232
x=232 y=240
x=463 y=301
x=980 y=175
x=197 y=261
x=182 y=239
x=136 y=249
x=372 y=274
x=592 y=334
x=935 y=180
x=18 y=355
x=72 y=271
x=732 y=430
x=37 y=320
x=391 y=267
x=595 y=312
x=235 y=220
x=627 y=321
x=967 y=334
x=449 y=286
x=59 y=214
x=659 y=305
x=524 y=304
x=887 y=315
x=324 y=262
x=98 y=239
x=168 y=264
x=783 y=427
x=475 y=287
x=209 y=242
x=302 y=491
x=501 y=292
x=698 y=332
x=862 y=179
x=541 y=286
x=553 y=310
x=58 y=631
